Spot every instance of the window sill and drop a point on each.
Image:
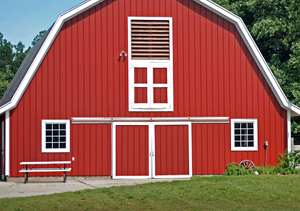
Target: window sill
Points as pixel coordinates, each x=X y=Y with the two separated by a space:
x=244 y=149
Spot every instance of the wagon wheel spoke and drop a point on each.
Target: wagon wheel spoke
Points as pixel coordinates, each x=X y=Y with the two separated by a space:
x=247 y=164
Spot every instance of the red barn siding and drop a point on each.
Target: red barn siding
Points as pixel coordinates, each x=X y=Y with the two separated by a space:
x=83 y=76
x=171 y=150
x=132 y=150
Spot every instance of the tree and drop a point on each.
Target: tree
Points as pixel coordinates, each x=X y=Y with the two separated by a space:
x=275 y=26
x=38 y=37
x=11 y=58
x=19 y=56
x=6 y=54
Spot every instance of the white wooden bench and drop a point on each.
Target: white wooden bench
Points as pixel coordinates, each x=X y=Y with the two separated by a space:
x=55 y=163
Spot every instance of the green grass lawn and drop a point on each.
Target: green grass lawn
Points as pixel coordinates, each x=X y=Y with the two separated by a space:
x=263 y=192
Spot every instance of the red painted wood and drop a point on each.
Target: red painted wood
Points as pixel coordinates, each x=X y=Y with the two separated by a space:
x=159 y=75
x=140 y=95
x=140 y=75
x=83 y=75
x=160 y=95
x=171 y=150
x=132 y=151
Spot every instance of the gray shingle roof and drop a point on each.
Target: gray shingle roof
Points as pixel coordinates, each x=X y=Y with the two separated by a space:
x=20 y=74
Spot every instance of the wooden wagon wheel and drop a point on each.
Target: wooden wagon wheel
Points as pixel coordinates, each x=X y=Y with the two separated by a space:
x=247 y=164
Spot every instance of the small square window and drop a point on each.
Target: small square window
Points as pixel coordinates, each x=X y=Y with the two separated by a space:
x=55 y=136
x=244 y=135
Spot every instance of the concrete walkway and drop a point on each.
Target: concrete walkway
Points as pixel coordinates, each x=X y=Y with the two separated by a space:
x=34 y=188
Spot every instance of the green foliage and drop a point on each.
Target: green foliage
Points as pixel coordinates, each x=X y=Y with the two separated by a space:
x=232 y=169
x=5 y=79
x=11 y=57
x=38 y=37
x=289 y=160
x=286 y=165
x=6 y=54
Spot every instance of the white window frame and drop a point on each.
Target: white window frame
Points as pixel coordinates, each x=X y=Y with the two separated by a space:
x=150 y=64
x=255 y=135
x=44 y=149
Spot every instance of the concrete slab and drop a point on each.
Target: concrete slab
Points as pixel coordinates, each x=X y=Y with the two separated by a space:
x=38 y=187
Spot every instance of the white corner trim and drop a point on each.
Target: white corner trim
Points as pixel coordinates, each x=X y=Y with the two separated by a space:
x=255 y=134
x=7 y=146
x=289 y=132
x=44 y=49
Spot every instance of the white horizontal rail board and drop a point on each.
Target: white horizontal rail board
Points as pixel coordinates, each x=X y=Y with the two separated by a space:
x=45 y=170
x=105 y=120
x=45 y=162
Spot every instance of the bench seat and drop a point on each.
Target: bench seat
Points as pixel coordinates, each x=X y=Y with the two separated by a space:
x=45 y=162
x=46 y=170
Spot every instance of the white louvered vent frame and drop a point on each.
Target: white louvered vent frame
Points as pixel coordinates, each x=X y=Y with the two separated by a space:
x=150 y=45
x=150 y=39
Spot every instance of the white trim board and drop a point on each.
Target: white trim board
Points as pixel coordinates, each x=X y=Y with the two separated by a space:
x=108 y=120
x=7 y=139
x=151 y=142
x=237 y=21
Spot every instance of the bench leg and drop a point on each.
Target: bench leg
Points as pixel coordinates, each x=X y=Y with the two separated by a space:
x=65 y=177
x=26 y=177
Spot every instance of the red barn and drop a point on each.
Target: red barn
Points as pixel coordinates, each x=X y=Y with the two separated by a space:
x=145 y=89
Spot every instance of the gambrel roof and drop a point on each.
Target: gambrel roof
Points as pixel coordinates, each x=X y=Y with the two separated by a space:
x=36 y=55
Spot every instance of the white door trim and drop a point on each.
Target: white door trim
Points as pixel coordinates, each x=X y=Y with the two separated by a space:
x=151 y=142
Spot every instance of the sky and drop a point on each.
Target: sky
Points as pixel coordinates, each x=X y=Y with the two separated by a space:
x=22 y=20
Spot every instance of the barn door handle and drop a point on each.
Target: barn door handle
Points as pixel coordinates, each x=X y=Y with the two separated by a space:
x=151 y=154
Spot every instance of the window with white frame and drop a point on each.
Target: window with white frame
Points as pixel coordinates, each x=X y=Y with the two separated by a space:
x=244 y=135
x=55 y=135
x=150 y=64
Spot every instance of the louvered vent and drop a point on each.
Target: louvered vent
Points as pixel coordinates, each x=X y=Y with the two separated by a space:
x=150 y=40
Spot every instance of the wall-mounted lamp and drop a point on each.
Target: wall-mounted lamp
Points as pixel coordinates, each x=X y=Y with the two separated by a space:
x=123 y=52
x=266 y=146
